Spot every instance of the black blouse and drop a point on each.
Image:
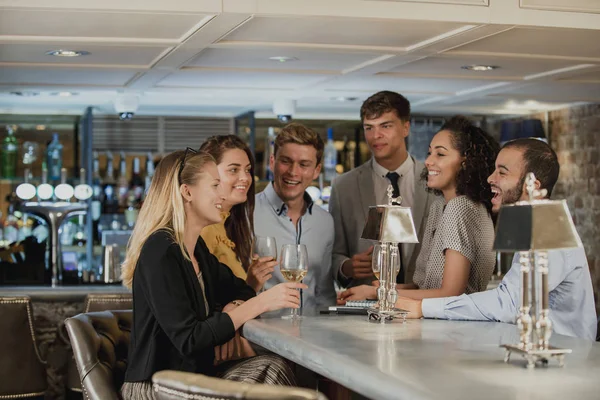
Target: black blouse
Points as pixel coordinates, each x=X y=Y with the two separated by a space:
x=171 y=329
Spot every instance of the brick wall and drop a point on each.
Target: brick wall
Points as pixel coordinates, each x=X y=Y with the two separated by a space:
x=574 y=134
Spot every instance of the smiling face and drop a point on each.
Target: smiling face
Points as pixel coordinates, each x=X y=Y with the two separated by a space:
x=236 y=178
x=507 y=181
x=386 y=136
x=205 y=198
x=443 y=163
x=294 y=168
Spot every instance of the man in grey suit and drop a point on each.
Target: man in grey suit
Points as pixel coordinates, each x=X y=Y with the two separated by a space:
x=386 y=120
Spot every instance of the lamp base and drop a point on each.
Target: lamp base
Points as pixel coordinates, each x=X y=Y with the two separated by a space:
x=535 y=355
x=382 y=317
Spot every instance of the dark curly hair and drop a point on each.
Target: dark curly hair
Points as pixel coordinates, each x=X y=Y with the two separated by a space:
x=480 y=151
x=240 y=225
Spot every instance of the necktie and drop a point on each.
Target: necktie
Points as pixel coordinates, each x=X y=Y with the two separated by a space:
x=393 y=178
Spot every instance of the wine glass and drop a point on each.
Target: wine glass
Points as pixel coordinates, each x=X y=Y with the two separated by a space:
x=377 y=259
x=265 y=246
x=294 y=266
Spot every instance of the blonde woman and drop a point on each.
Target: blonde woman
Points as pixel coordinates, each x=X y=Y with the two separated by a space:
x=177 y=285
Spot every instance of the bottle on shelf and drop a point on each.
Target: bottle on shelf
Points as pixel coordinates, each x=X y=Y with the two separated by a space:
x=270 y=149
x=136 y=184
x=122 y=183
x=149 y=173
x=111 y=201
x=9 y=154
x=347 y=155
x=97 y=197
x=330 y=157
x=54 y=159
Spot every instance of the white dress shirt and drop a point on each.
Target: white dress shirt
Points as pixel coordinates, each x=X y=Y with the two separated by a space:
x=406 y=182
x=572 y=308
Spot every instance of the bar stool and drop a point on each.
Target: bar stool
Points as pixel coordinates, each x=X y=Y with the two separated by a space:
x=22 y=369
x=93 y=303
x=174 y=385
x=100 y=342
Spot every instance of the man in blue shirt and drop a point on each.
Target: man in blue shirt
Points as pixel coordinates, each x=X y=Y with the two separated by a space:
x=573 y=312
x=285 y=211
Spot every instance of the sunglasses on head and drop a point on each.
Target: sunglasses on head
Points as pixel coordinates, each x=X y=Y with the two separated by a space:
x=188 y=150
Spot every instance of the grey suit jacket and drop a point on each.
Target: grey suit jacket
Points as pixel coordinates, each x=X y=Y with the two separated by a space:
x=351 y=195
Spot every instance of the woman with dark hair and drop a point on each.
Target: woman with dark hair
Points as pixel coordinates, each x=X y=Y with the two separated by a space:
x=231 y=240
x=456 y=256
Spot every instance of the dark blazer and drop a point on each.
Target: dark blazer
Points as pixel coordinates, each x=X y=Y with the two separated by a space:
x=171 y=329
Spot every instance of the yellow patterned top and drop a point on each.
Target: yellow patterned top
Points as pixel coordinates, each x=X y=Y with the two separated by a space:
x=222 y=247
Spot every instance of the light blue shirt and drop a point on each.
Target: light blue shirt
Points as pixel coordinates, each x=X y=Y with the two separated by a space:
x=572 y=308
x=315 y=230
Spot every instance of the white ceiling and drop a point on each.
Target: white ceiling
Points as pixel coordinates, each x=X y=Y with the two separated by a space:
x=193 y=57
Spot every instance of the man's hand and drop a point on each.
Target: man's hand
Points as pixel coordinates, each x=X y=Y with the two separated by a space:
x=260 y=271
x=361 y=292
x=359 y=266
x=414 y=306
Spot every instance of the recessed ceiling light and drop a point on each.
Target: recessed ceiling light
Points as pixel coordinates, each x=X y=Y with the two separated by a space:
x=480 y=68
x=67 y=53
x=342 y=98
x=64 y=94
x=283 y=59
x=25 y=94
x=40 y=127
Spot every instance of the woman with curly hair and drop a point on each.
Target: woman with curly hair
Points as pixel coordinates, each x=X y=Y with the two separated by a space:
x=456 y=256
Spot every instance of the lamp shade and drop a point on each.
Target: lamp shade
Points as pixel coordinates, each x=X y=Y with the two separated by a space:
x=532 y=128
x=392 y=224
x=510 y=130
x=536 y=225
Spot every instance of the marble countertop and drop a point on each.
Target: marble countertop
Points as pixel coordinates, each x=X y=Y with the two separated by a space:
x=61 y=293
x=427 y=359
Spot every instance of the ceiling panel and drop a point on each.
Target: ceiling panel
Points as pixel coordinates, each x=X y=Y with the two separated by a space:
x=417 y=85
x=554 y=91
x=540 y=41
x=344 y=31
x=259 y=58
x=64 y=76
x=592 y=76
x=99 y=55
x=241 y=79
x=509 y=67
x=96 y=24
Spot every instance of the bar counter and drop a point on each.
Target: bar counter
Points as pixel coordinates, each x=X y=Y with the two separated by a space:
x=61 y=293
x=427 y=359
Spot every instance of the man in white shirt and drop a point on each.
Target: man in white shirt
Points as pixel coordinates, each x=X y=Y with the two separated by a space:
x=386 y=121
x=573 y=311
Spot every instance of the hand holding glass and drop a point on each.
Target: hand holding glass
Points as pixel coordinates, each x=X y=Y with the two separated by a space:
x=294 y=266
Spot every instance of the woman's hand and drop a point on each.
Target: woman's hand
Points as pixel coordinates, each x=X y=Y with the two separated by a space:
x=281 y=296
x=259 y=272
x=361 y=292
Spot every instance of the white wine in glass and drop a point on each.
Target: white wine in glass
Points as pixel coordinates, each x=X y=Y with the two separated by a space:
x=293 y=275
x=376 y=261
x=293 y=264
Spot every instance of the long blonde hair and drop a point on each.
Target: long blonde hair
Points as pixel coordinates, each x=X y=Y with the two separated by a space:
x=163 y=207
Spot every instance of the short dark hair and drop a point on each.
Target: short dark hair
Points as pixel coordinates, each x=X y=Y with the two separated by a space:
x=299 y=134
x=383 y=102
x=540 y=159
x=480 y=151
